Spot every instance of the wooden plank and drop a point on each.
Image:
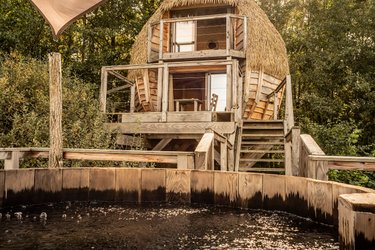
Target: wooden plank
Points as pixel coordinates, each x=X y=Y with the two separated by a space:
x=165 y=89
x=162 y=144
x=204 y=152
x=146 y=85
x=121 y=157
x=229 y=88
x=223 y=156
x=178 y=186
x=132 y=98
x=296 y=133
x=141 y=117
x=161 y=40
x=261 y=160
x=289 y=113
x=55 y=118
x=269 y=170
x=160 y=90
x=14 y=161
x=189 y=116
x=103 y=90
x=172 y=128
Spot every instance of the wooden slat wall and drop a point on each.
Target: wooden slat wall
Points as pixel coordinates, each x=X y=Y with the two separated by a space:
x=261 y=110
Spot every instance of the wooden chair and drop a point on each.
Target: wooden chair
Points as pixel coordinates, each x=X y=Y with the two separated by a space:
x=213 y=102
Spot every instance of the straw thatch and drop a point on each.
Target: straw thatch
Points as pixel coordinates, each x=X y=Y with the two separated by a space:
x=265 y=47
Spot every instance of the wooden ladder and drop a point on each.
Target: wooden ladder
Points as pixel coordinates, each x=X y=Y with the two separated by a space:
x=262 y=147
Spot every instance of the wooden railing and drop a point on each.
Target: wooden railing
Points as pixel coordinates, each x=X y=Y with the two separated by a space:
x=184 y=160
x=315 y=164
x=162 y=46
x=205 y=154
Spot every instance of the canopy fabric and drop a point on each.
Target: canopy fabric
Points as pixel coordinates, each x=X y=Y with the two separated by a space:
x=61 y=13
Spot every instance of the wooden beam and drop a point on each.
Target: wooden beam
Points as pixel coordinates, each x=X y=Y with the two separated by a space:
x=55 y=121
x=146 y=84
x=224 y=156
x=161 y=40
x=172 y=127
x=118 y=89
x=162 y=144
x=165 y=90
x=132 y=98
x=160 y=90
x=121 y=77
x=204 y=152
x=103 y=90
x=229 y=88
x=289 y=113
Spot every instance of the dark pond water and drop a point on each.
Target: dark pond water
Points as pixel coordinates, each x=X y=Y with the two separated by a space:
x=104 y=226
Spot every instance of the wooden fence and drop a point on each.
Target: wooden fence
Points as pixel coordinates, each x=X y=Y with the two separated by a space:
x=315 y=164
x=184 y=160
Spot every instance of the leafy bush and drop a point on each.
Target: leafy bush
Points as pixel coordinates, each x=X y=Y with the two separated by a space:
x=24 y=105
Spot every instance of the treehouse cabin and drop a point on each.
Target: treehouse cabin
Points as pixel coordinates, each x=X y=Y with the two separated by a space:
x=207 y=77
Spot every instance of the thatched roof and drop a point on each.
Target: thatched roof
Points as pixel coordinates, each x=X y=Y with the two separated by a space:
x=265 y=47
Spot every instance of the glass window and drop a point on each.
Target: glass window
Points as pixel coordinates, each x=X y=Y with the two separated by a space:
x=184 y=36
x=218 y=84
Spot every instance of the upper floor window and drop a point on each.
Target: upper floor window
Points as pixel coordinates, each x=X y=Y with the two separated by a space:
x=184 y=36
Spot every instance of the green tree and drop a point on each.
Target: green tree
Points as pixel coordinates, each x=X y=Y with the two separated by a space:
x=24 y=105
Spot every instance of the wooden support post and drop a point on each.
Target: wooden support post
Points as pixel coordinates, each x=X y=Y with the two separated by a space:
x=224 y=156
x=160 y=89
x=296 y=141
x=103 y=90
x=289 y=114
x=132 y=98
x=162 y=144
x=228 y=35
x=275 y=106
x=14 y=161
x=229 y=87
x=204 y=153
x=165 y=92
x=161 y=40
x=55 y=121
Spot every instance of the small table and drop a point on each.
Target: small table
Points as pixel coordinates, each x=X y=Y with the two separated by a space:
x=182 y=102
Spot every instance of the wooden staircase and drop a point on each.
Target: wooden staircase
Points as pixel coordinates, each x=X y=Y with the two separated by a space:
x=262 y=146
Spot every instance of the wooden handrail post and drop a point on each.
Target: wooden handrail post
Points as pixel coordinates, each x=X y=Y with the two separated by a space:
x=55 y=121
x=204 y=152
x=289 y=114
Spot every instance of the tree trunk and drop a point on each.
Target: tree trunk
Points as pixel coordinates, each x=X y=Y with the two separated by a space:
x=55 y=121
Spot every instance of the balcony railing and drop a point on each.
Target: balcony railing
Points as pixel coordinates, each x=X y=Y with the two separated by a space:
x=197 y=37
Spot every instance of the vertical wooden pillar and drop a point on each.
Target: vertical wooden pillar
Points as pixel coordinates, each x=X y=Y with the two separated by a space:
x=165 y=96
x=160 y=88
x=296 y=142
x=229 y=86
x=103 y=90
x=132 y=98
x=55 y=121
x=275 y=106
x=289 y=114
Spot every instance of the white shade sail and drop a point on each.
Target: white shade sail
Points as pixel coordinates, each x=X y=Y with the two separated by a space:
x=61 y=13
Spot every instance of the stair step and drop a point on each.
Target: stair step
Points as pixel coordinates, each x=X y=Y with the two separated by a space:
x=263 y=127
x=263 y=151
x=263 y=135
x=262 y=143
x=261 y=160
x=262 y=169
x=263 y=121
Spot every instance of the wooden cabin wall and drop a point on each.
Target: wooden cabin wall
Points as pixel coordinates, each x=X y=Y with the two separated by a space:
x=239 y=39
x=211 y=31
x=155 y=43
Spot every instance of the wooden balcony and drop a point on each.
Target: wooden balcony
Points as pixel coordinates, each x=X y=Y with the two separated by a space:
x=214 y=36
